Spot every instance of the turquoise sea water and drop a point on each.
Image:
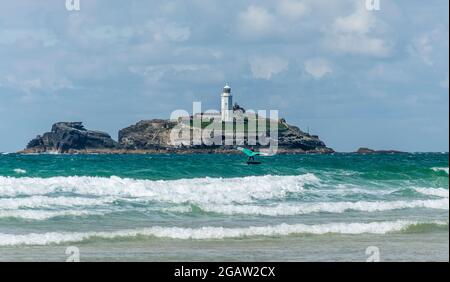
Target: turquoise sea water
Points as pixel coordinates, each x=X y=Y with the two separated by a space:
x=216 y=207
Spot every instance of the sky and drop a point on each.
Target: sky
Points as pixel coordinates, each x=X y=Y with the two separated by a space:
x=354 y=76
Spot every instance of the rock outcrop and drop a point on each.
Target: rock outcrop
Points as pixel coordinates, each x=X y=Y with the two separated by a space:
x=364 y=150
x=292 y=137
x=154 y=136
x=147 y=134
x=65 y=137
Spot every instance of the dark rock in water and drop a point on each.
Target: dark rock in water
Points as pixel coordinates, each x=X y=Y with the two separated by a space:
x=364 y=150
x=67 y=136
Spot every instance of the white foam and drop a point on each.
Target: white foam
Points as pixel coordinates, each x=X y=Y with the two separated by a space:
x=207 y=232
x=437 y=169
x=42 y=215
x=47 y=202
x=438 y=192
x=329 y=207
x=20 y=171
x=198 y=190
x=179 y=209
x=351 y=189
x=50 y=153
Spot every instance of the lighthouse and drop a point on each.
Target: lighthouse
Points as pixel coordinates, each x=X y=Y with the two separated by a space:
x=226 y=104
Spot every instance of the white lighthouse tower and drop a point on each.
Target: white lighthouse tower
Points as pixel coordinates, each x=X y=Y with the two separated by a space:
x=227 y=104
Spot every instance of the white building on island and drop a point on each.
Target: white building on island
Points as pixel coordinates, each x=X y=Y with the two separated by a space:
x=226 y=108
x=228 y=111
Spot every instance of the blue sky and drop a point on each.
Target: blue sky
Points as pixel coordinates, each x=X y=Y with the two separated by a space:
x=355 y=77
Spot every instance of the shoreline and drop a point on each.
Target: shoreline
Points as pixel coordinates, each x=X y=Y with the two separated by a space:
x=169 y=151
x=200 y=152
x=397 y=247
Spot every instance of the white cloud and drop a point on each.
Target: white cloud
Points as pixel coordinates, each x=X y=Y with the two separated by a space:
x=354 y=34
x=181 y=72
x=292 y=9
x=31 y=85
x=361 y=45
x=424 y=46
x=155 y=30
x=171 y=32
x=255 y=21
x=23 y=85
x=360 y=22
x=318 y=67
x=266 y=67
x=110 y=33
x=27 y=36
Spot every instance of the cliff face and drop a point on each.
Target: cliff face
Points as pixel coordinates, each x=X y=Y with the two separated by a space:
x=146 y=134
x=67 y=136
x=153 y=136
x=292 y=137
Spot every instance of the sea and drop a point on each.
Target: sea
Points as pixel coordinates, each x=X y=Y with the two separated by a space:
x=337 y=207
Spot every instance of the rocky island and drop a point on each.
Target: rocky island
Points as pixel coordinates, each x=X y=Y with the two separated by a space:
x=233 y=123
x=68 y=137
x=153 y=137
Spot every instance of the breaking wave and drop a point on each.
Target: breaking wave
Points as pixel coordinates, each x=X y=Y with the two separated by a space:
x=438 y=192
x=214 y=233
x=438 y=169
x=45 y=198
x=336 y=207
x=43 y=215
x=198 y=190
x=50 y=202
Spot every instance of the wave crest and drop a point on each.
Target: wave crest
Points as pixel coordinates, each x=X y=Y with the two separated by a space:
x=51 y=202
x=337 y=207
x=214 y=233
x=437 y=192
x=198 y=190
x=439 y=169
x=43 y=215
